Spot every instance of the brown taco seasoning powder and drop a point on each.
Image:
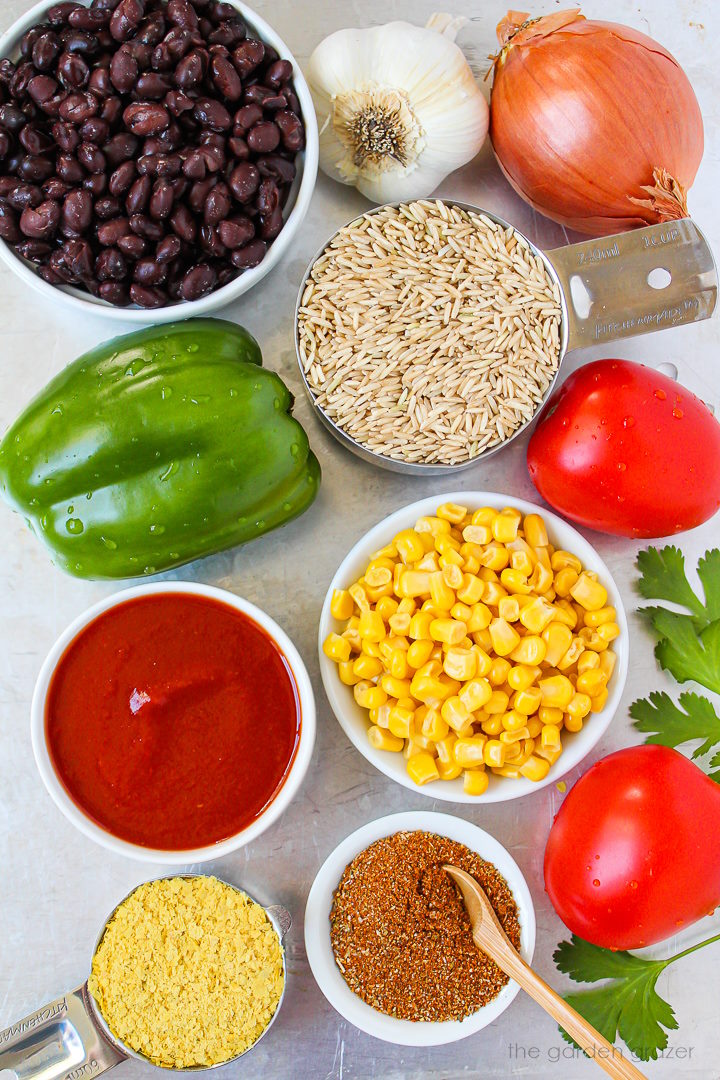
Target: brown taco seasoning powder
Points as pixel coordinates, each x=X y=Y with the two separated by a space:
x=401 y=935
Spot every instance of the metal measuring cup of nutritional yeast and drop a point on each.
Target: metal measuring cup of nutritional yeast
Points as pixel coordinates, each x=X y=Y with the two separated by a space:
x=69 y=1039
x=611 y=288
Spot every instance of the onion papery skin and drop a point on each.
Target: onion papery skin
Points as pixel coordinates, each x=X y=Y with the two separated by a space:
x=593 y=123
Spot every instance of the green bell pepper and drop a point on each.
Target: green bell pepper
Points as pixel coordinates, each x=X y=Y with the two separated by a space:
x=157 y=448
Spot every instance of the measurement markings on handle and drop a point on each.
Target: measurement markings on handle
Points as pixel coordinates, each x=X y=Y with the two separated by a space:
x=88 y=1068
x=668 y=236
x=48 y=1012
x=669 y=316
x=598 y=254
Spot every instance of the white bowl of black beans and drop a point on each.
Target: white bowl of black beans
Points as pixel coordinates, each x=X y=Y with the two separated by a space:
x=157 y=157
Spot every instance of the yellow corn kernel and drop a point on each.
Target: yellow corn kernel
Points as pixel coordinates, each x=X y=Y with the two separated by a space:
x=535 y=768
x=461 y=612
x=513 y=720
x=409 y=546
x=452 y=576
x=368 y=667
x=381 y=715
x=441 y=595
x=407 y=605
x=541 y=579
x=448 y=770
x=497 y=702
x=414 y=583
x=429 y=690
x=381 y=739
x=446 y=543
x=398 y=664
x=608 y=631
x=514 y=581
x=452 y=512
x=341 y=604
x=432 y=668
x=371 y=626
x=560 y=559
x=590 y=594
x=370 y=648
x=589 y=661
x=486 y=574
x=565 y=580
x=557 y=691
x=460 y=664
x=433 y=726
x=419 y=653
x=422 y=768
x=431 y=525
x=602 y=615
x=579 y=706
x=569 y=659
x=397 y=688
x=368 y=696
x=495 y=556
x=377 y=577
x=399 y=623
x=386 y=607
x=449 y=631
x=591 y=682
x=401 y=722
x=511 y=738
x=550 y=737
x=573 y=723
x=536 y=615
x=527 y=701
x=485 y=515
x=429 y=562
x=494 y=753
x=514 y=754
x=477 y=534
x=444 y=749
x=455 y=713
x=359 y=596
x=483 y=640
x=550 y=715
x=472 y=589
x=336 y=648
x=531 y=650
x=475 y=694
x=592 y=638
x=521 y=562
x=509 y=771
x=505 y=525
x=493 y=725
x=557 y=638
x=480 y=618
x=468 y=752
x=535 y=531
x=521 y=676
x=599 y=701
x=504 y=637
x=607 y=662
x=534 y=726
x=387 y=552
x=499 y=671
x=509 y=609
x=346 y=673
x=565 y=613
x=420 y=626
x=475 y=782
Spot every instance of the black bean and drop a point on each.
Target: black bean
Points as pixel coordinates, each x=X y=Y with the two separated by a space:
x=41 y=88
x=278 y=168
x=65 y=135
x=228 y=33
x=191 y=70
x=57 y=15
x=54 y=188
x=144 y=226
x=226 y=78
x=146 y=118
x=34 y=250
x=161 y=200
x=198 y=281
x=78 y=257
x=153 y=86
x=177 y=103
x=9 y=229
x=238 y=148
x=133 y=246
x=72 y=71
x=147 y=297
x=46 y=50
x=271 y=223
x=168 y=248
x=34 y=168
x=91 y=158
x=236 y=231
x=217 y=205
x=42 y=221
x=111 y=110
x=13 y=118
x=96 y=184
x=110 y=231
x=126 y=18
x=100 y=82
x=178 y=42
x=264 y=137
x=114 y=293
x=22 y=195
x=110 y=265
x=244 y=181
x=182 y=14
x=78 y=41
x=123 y=70
x=250 y=255
x=107 y=207
x=88 y=19
x=183 y=224
x=121 y=147
x=199 y=192
x=78 y=107
x=137 y=197
x=19 y=82
x=278 y=73
x=152 y=29
x=291 y=130
x=248 y=55
x=274 y=102
x=69 y=169
x=150 y=272
x=35 y=141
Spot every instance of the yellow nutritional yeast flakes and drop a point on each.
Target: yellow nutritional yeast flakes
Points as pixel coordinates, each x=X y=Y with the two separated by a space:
x=189 y=972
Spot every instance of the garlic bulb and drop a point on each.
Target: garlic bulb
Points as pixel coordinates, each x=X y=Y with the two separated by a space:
x=398 y=107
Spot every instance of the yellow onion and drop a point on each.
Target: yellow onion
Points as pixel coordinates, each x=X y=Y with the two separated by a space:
x=594 y=124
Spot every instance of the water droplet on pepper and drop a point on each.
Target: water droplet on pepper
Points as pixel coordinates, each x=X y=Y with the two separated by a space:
x=74 y=526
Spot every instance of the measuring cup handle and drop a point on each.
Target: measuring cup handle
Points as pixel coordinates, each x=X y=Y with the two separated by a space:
x=611 y=291
x=60 y=1041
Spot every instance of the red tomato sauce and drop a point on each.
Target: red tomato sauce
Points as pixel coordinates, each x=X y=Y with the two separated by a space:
x=172 y=720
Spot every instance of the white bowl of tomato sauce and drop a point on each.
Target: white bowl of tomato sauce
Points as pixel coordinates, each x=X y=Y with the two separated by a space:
x=173 y=722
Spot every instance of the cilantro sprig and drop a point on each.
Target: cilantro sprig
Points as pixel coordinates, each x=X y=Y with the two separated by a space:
x=627 y=1003
x=669 y=725
x=689 y=645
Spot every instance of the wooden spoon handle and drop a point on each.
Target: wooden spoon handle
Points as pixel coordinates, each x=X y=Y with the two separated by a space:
x=603 y=1053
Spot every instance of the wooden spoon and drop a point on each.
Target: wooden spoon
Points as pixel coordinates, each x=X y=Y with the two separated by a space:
x=491 y=939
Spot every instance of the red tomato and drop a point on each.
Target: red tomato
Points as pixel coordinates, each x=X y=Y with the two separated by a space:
x=626 y=450
x=634 y=853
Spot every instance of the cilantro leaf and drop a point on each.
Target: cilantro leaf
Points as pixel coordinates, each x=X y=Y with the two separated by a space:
x=662 y=577
x=671 y=726
x=709 y=574
x=628 y=1005
x=684 y=654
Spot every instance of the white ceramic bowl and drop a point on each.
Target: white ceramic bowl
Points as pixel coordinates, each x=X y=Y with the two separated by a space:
x=284 y=796
x=317 y=929
x=295 y=208
x=353 y=719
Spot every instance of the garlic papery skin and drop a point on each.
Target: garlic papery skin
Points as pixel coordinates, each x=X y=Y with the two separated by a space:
x=398 y=107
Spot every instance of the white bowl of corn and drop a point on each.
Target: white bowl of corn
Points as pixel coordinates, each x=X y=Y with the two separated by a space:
x=473 y=646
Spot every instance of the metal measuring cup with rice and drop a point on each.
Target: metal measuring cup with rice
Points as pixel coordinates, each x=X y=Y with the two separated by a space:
x=188 y=974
